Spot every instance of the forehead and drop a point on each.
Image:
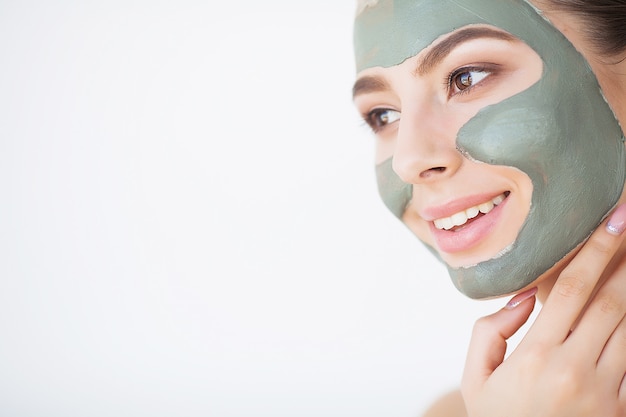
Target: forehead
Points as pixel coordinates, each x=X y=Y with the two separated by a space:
x=372 y=80
x=387 y=32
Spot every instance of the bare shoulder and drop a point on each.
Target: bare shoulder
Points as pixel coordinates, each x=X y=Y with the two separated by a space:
x=449 y=405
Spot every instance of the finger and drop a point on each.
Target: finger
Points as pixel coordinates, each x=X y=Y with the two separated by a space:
x=577 y=281
x=599 y=330
x=488 y=344
x=612 y=362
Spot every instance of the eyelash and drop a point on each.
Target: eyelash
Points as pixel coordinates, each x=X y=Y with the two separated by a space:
x=449 y=80
x=370 y=118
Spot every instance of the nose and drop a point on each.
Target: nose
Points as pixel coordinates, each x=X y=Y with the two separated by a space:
x=425 y=149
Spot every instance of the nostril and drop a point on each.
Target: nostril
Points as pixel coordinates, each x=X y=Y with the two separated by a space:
x=431 y=171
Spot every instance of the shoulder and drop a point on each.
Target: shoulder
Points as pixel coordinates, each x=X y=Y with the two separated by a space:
x=449 y=405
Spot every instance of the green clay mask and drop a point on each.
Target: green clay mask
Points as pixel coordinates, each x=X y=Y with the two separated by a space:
x=560 y=132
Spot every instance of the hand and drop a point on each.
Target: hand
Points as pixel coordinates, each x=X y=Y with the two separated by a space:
x=556 y=371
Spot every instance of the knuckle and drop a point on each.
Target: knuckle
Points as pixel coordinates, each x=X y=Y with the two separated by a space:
x=569 y=378
x=600 y=246
x=610 y=303
x=535 y=357
x=570 y=285
x=536 y=352
x=569 y=382
x=482 y=325
x=485 y=327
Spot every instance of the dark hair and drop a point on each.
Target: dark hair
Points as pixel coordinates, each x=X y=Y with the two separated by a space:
x=604 y=23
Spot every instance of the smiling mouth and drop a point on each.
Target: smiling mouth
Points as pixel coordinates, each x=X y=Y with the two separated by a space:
x=463 y=217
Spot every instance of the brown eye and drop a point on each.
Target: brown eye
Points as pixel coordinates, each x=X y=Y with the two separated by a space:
x=464 y=79
x=377 y=119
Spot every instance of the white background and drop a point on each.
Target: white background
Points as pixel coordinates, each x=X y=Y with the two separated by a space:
x=189 y=224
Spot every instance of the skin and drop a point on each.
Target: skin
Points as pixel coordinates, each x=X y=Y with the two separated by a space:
x=571 y=362
x=529 y=130
x=420 y=144
x=610 y=73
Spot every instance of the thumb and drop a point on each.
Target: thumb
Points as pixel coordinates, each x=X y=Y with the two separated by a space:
x=488 y=344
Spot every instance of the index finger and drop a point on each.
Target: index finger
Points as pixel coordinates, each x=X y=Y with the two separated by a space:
x=576 y=282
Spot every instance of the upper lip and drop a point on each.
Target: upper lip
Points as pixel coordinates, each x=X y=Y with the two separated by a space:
x=450 y=208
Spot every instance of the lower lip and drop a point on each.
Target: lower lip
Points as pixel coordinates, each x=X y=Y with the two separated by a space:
x=469 y=235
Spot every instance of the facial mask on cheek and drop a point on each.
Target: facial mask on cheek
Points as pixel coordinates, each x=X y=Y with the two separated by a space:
x=560 y=132
x=395 y=193
x=551 y=133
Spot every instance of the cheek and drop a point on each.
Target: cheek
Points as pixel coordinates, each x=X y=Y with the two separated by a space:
x=417 y=225
x=385 y=147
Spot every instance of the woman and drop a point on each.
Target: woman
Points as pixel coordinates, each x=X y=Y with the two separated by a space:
x=496 y=148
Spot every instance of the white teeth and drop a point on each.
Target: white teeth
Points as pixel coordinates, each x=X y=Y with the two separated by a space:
x=472 y=212
x=447 y=223
x=499 y=199
x=460 y=218
x=486 y=207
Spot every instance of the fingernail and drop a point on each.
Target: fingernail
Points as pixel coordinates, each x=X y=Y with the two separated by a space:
x=617 y=222
x=520 y=298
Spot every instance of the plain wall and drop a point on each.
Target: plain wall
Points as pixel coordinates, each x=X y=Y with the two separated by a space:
x=189 y=224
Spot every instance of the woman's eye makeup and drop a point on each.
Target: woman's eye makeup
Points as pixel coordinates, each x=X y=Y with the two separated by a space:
x=462 y=80
x=378 y=119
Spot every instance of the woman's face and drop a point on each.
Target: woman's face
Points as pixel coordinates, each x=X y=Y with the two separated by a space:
x=466 y=210
x=495 y=145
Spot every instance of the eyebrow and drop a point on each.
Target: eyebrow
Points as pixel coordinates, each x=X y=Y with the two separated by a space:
x=440 y=51
x=369 y=84
x=373 y=84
